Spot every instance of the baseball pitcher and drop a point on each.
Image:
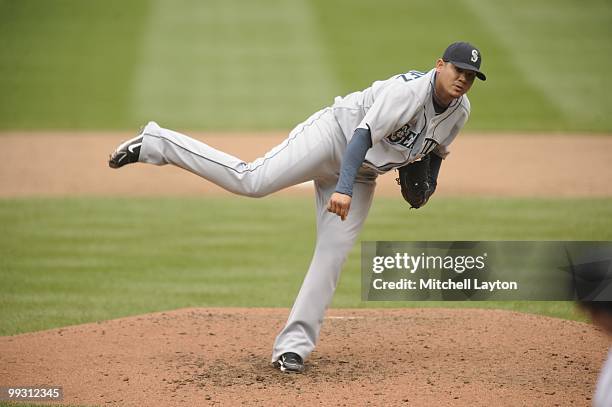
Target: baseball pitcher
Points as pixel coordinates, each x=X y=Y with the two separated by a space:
x=406 y=122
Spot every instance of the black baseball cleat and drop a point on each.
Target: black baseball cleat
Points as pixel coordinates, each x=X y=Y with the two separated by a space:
x=127 y=152
x=290 y=362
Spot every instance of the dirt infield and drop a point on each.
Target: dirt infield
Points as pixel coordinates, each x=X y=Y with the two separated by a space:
x=412 y=357
x=51 y=164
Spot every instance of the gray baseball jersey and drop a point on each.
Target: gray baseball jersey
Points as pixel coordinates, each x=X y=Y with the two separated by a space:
x=400 y=115
x=401 y=118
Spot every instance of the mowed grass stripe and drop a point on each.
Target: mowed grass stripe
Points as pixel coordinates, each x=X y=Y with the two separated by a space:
x=562 y=49
x=399 y=37
x=68 y=261
x=231 y=65
x=68 y=64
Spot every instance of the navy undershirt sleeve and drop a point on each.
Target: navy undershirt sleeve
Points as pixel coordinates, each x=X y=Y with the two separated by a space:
x=353 y=158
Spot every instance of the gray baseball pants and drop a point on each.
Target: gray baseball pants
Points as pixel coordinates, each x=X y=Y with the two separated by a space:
x=312 y=151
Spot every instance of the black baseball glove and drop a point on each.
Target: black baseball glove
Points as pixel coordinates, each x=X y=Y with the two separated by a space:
x=419 y=179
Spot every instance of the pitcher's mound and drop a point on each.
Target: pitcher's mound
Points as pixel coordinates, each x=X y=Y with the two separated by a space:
x=379 y=357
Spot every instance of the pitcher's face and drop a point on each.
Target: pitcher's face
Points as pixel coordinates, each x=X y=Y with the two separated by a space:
x=451 y=81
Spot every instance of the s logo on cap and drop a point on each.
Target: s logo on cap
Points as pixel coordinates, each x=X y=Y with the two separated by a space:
x=465 y=56
x=474 y=55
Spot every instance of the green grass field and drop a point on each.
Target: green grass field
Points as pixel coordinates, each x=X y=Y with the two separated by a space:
x=68 y=261
x=70 y=64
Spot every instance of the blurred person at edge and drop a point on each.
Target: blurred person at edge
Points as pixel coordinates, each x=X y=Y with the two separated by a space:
x=601 y=315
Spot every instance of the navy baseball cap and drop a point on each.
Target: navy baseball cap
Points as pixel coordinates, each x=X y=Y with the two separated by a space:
x=466 y=56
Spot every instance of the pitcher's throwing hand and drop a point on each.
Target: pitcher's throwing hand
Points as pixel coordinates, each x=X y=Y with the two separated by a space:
x=339 y=204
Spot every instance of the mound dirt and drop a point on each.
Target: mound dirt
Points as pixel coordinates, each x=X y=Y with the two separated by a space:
x=378 y=357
